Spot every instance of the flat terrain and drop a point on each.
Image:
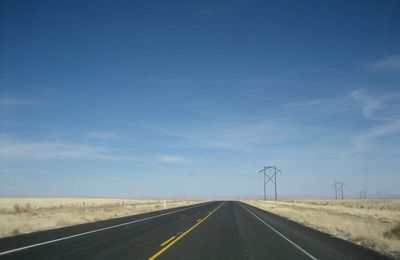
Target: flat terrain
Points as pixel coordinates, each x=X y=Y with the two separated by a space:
x=371 y=223
x=24 y=215
x=212 y=230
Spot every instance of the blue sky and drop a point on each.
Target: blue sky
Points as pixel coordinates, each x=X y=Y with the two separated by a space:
x=185 y=98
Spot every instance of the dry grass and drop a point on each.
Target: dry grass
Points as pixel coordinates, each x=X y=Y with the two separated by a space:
x=24 y=215
x=371 y=223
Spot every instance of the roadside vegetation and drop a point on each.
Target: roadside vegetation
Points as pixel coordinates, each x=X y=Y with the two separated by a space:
x=24 y=215
x=371 y=223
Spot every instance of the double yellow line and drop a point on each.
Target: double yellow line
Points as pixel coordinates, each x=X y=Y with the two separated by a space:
x=173 y=240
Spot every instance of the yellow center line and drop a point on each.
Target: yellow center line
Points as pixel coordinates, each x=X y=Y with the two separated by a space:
x=183 y=234
x=198 y=220
x=166 y=242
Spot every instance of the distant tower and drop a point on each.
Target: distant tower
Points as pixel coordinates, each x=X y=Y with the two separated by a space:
x=338 y=190
x=268 y=178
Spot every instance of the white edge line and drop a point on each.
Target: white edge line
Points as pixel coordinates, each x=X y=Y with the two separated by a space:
x=96 y=230
x=283 y=236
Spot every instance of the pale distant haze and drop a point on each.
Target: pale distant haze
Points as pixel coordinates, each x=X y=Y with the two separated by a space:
x=192 y=98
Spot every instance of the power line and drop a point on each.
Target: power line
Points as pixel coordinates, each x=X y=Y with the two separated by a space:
x=270 y=177
x=338 y=189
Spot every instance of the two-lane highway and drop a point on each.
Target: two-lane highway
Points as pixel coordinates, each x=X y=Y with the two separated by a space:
x=213 y=230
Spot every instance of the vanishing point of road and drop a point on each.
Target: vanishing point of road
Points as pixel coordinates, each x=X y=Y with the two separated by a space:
x=213 y=230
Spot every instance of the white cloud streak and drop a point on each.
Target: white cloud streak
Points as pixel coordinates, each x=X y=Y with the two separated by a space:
x=15 y=149
x=307 y=103
x=236 y=135
x=11 y=149
x=14 y=102
x=103 y=135
x=172 y=133
x=252 y=136
x=362 y=142
x=171 y=159
x=369 y=104
x=387 y=64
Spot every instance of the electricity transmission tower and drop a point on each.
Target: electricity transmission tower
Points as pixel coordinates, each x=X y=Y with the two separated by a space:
x=363 y=194
x=338 y=189
x=270 y=176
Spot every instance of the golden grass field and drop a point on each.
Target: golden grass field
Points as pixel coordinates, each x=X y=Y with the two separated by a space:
x=24 y=215
x=371 y=223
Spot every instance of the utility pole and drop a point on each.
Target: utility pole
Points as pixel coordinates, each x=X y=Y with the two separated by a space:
x=276 y=193
x=264 y=183
x=338 y=189
x=270 y=176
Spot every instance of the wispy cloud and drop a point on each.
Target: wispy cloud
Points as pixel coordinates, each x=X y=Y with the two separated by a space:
x=317 y=121
x=241 y=135
x=244 y=135
x=103 y=135
x=13 y=102
x=369 y=104
x=171 y=132
x=306 y=103
x=363 y=141
x=388 y=63
x=315 y=109
x=10 y=123
x=171 y=159
x=39 y=150
x=376 y=109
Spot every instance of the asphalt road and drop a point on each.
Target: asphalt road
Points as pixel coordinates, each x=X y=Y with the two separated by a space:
x=214 y=230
